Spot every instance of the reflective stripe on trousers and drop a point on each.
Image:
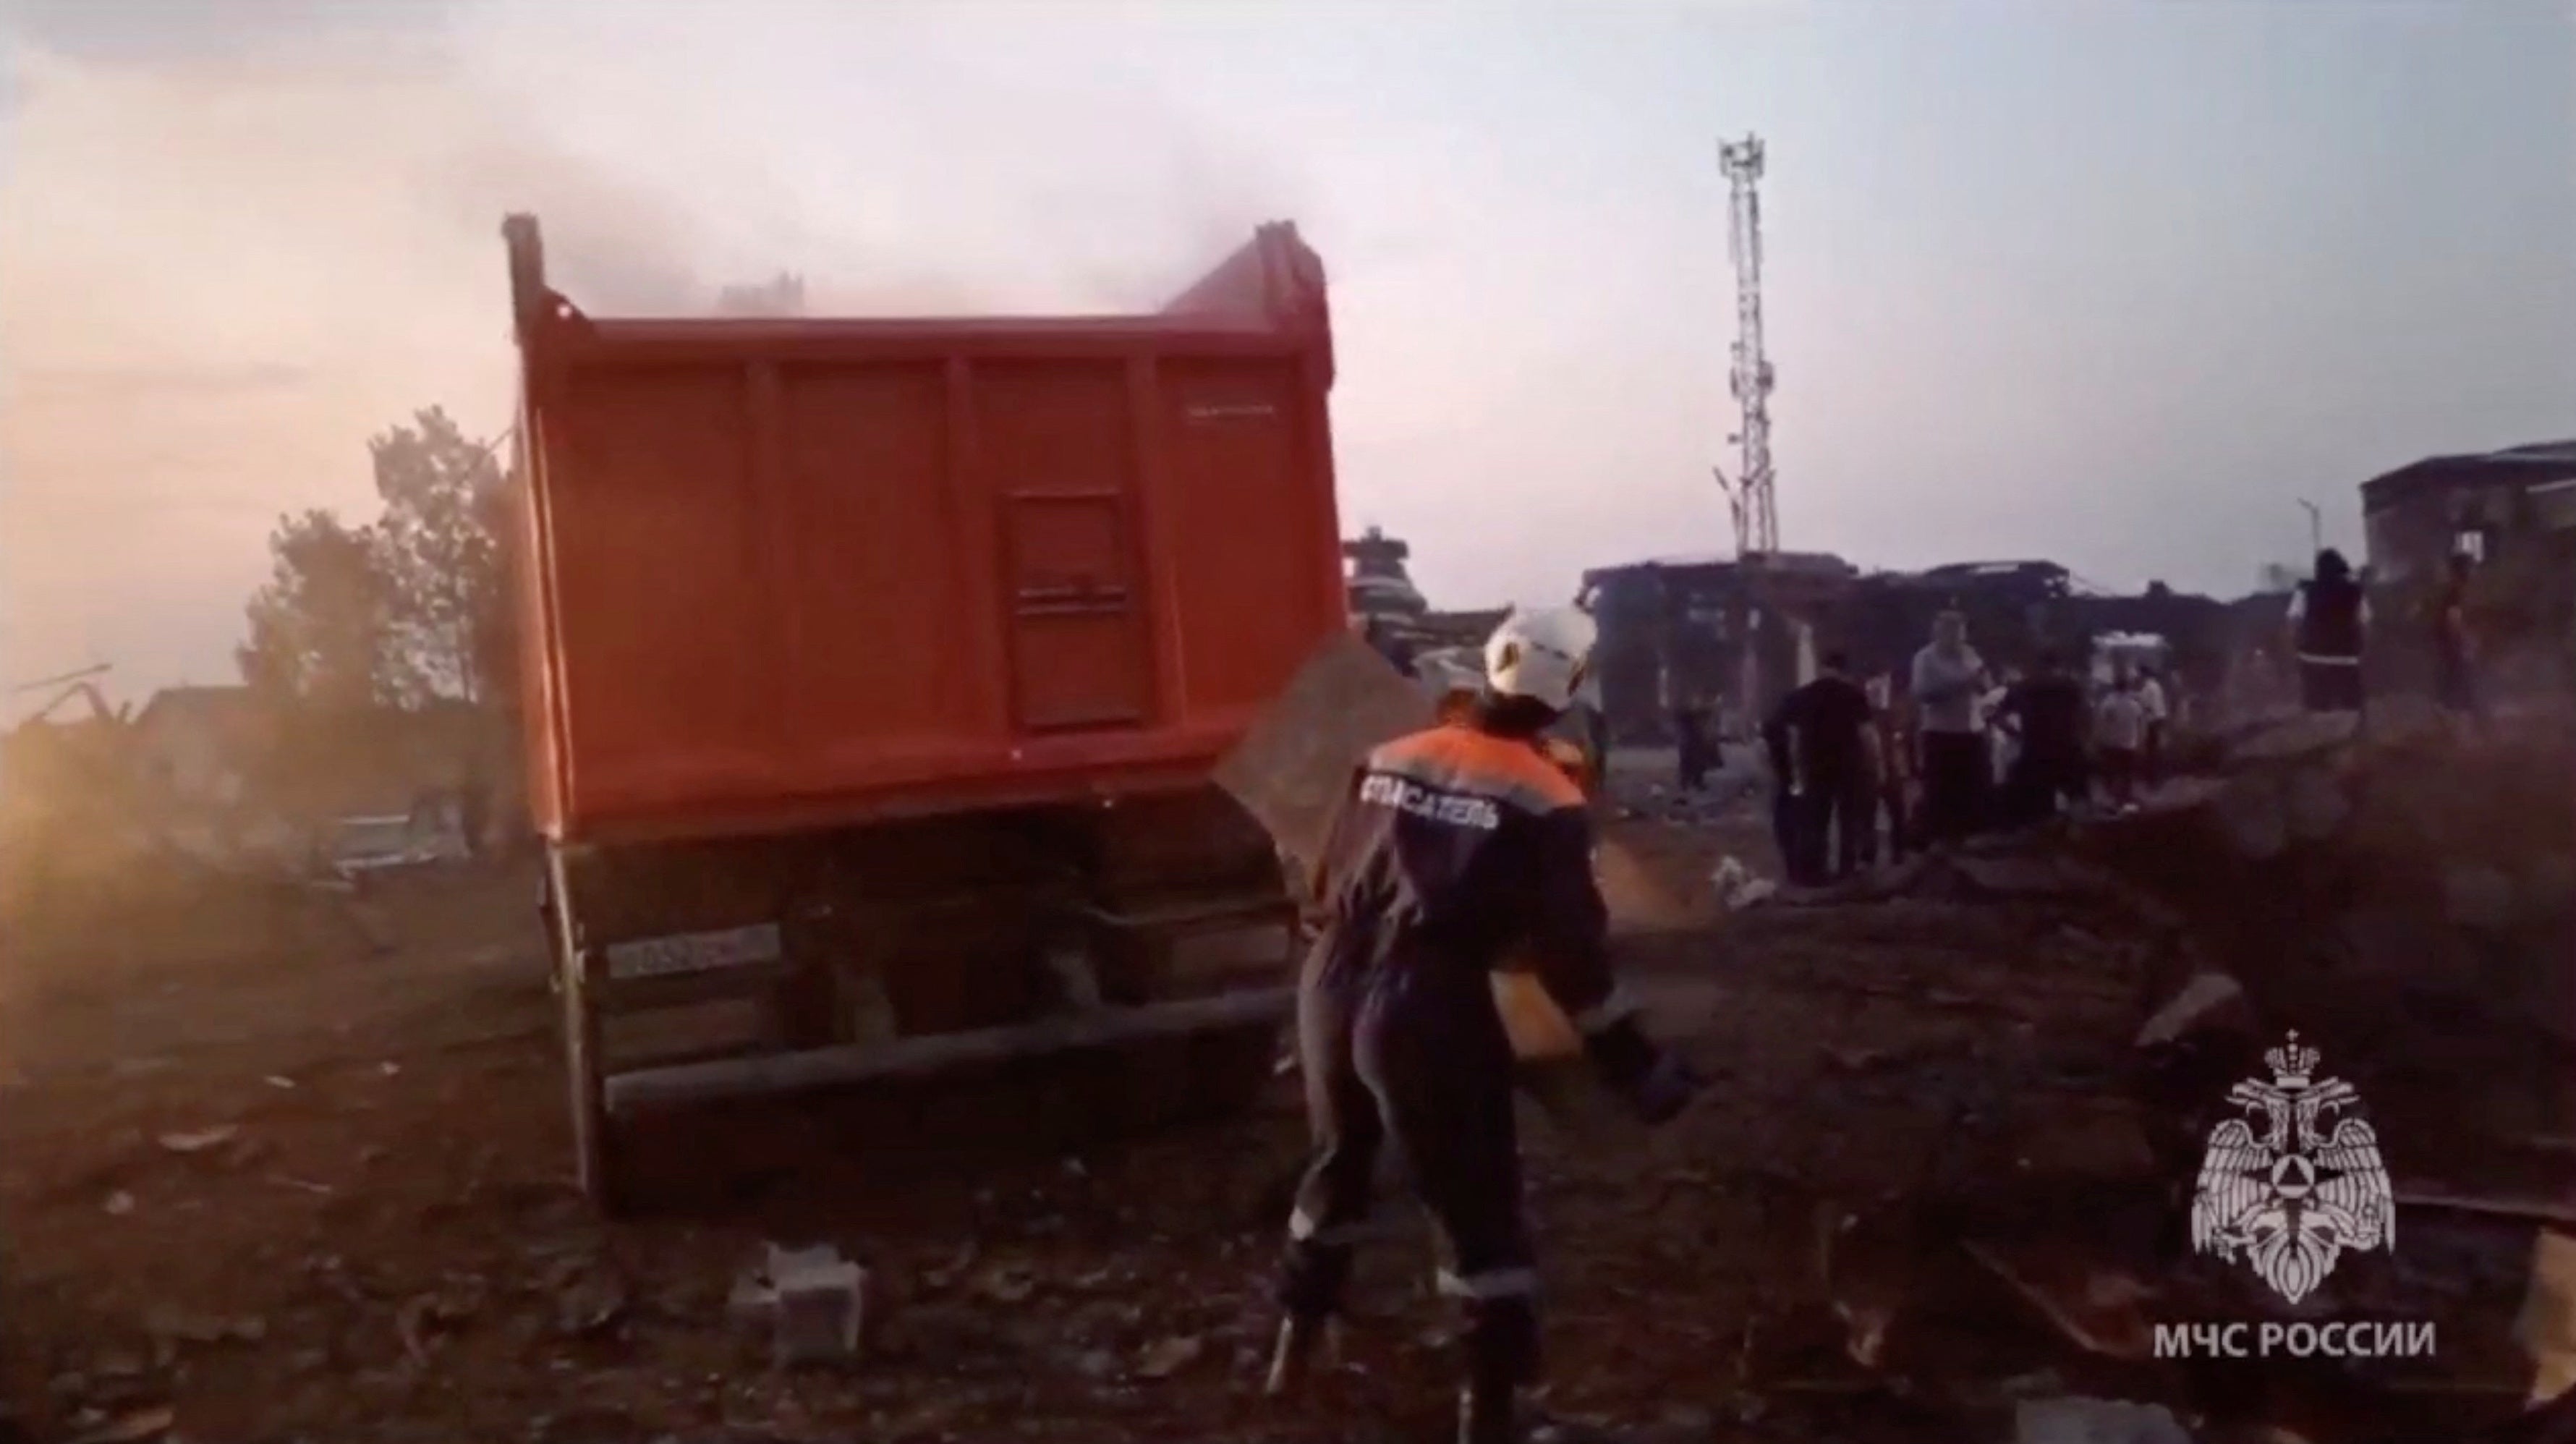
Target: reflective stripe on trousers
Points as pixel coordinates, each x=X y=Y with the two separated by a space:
x=1507 y=1283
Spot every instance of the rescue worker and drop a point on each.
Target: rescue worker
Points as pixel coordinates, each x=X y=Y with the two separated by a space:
x=2329 y=616
x=1456 y=848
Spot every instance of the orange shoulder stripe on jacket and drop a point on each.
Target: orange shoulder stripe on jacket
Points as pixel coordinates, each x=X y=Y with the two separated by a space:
x=1465 y=758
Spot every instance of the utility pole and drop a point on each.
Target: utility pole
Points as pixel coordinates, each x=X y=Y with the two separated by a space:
x=1757 y=518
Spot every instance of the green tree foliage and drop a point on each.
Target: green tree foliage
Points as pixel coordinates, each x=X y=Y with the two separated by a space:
x=410 y=608
x=437 y=546
x=322 y=630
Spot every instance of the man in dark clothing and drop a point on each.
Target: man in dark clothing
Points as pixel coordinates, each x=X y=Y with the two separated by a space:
x=1691 y=741
x=1831 y=727
x=2329 y=618
x=1455 y=848
x=2047 y=711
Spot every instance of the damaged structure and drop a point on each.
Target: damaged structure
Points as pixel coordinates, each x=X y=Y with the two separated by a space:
x=1742 y=633
x=2514 y=512
x=1384 y=603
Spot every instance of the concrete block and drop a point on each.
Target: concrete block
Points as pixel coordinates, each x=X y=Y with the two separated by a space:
x=811 y=1300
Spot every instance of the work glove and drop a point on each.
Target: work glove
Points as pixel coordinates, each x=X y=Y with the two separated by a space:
x=1655 y=1082
x=1666 y=1090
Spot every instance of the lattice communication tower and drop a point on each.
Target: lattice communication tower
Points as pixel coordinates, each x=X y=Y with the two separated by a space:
x=1757 y=517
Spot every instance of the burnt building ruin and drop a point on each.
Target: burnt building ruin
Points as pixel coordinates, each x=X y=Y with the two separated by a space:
x=2514 y=511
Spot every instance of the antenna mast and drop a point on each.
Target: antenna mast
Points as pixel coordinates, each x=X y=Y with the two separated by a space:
x=1757 y=518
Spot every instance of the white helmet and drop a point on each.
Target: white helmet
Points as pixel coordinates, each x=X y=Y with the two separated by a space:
x=1540 y=655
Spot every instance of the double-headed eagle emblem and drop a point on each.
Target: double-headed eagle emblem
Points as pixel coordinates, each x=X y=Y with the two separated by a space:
x=2283 y=1192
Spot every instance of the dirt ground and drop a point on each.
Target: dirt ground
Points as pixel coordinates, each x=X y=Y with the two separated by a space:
x=322 y=1192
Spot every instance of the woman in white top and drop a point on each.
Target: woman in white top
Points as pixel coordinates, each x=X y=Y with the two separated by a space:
x=2151 y=748
x=2119 y=728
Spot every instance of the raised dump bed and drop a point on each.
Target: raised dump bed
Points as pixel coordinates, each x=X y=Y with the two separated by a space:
x=875 y=670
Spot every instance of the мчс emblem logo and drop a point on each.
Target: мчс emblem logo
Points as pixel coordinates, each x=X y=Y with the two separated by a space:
x=2281 y=1192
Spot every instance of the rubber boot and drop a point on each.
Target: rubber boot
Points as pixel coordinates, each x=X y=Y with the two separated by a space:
x=1486 y=1414
x=1292 y=1357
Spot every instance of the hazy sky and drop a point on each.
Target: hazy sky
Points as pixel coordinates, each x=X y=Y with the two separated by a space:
x=2113 y=284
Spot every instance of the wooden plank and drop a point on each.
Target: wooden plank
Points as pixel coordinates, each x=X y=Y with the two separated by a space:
x=820 y=1068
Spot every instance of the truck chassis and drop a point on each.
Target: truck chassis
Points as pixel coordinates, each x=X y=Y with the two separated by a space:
x=1108 y=967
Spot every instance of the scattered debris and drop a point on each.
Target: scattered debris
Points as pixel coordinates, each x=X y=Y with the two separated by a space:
x=2097 y=1310
x=2074 y=1420
x=132 y=1428
x=811 y=1299
x=201 y=1139
x=1007 y=1283
x=1738 y=887
x=177 y=1326
x=2202 y=999
x=589 y=1297
x=1167 y=1357
x=423 y=1317
x=2004 y=981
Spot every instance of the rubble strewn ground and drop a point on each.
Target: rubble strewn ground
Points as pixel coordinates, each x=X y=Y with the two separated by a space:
x=312 y=1190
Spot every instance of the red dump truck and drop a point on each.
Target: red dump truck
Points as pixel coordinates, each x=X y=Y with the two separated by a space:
x=874 y=674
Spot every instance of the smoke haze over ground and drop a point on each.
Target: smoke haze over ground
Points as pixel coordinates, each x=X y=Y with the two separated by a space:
x=2115 y=285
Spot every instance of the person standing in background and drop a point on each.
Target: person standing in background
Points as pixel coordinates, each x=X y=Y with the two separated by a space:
x=2002 y=736
x=1595 y=723
x=1947 y=679
x=1831 y=728
x=2329 y=621
x=1895 y=760
x=2119 y=726
x=1593 y=720
x=1690 y=733
x=2046 y=712
x=2159 y=709
x=1788 y=805
x=2455 y=682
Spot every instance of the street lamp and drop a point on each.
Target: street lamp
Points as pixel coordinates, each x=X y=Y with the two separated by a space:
x=2316 y=527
